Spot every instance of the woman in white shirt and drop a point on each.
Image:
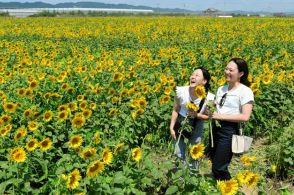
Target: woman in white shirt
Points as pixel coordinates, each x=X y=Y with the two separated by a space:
x=184 y=95
x=234 y=103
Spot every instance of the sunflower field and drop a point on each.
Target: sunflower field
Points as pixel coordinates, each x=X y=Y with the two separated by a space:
x=86 y=103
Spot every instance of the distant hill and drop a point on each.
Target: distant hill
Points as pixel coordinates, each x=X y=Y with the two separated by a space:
x=17 y=5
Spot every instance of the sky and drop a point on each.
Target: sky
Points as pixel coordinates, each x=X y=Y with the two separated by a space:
x=196 y=5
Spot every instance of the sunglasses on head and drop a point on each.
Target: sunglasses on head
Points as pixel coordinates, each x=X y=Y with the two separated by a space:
x=222 y=101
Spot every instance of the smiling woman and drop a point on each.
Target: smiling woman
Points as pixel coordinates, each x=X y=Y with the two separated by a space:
x=190 y=102
x=234 y=104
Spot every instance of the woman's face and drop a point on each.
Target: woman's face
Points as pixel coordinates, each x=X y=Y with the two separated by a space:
x=232 y=73
x=197 y=78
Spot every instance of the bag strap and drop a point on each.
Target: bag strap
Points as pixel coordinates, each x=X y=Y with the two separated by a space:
x=241 y=128
x=201 y=104
x=241 y=124
x=200 y=107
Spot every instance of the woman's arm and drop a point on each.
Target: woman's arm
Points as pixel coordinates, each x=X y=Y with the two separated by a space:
x=243 y=117
x=174 y=117
x=201 y=116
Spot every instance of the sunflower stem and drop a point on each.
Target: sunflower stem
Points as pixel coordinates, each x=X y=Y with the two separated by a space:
x=181 y=129
x=211 y=135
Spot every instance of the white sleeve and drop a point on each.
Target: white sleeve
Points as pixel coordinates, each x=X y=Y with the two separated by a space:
x=247 y=96
x=179 y=92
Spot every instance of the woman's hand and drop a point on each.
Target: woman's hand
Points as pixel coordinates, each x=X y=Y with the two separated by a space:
x=216 y=116
x=192 y=113
x=173 y=134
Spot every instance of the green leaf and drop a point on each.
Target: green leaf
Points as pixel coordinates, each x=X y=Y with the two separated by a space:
x=172 y=190
x=4 y=184
x=289 y=160
x=4 y=164
x=44 y=168
x=119 y=178
x=136 y=191
x=147 y=181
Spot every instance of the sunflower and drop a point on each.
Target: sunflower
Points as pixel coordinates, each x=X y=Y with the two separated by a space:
x=124 y=92
x=48 y=116
x=131 y=91
x=55 y=95
x=9 y=107
x=142 y=102
x=113 y=112
x=172 y=84
x=83 y=105
x=63 y=115
x=197 y=151
x=80 y=98
x=135 y=103
x=33 y=84
x=254 y=86
x=107 y=156
x=3 y=131
x=163 y=79
x=229 y=187
x=266 y=79
x=75 y=141
x=97 y=138
x=221 y=81
x=5 y=119
x=137 y=113
x=168 y=90
x=64 y=86
x=136 y=154
x=117 y=76
x=2 y=93
x=87 y=113
x=200 y=92
x=32 y=145
x=281 y=76
x=70 y=90
x=78 y=121
x=114 y=100
x=45 y=144
x=62 y=108
x=88 y=153
x=28 y=113
x=28 y=92
x=247 y=160
x=33 y=125
x=273 y=168
x=18 y=154
x=8 y=127
x=72 y=106
x=95 y=168
x=93 y=106
x=20 y=133
x=21 y=91
x=164 y=99
x=192 y=106
x=156 y=87
x=253 y=181
x=244 y=177
x=119 y=147
x=73 y=179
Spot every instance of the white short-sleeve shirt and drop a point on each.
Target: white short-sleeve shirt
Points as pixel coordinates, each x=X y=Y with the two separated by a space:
x=234 y=99
x=183 y=95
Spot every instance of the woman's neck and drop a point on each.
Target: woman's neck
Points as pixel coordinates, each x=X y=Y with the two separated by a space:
x=192 y=93
x=234 y=85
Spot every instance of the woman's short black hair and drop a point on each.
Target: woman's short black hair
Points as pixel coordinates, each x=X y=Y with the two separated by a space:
x=242 y=67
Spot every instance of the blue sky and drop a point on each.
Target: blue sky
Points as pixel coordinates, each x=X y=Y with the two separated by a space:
x=245 y=5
